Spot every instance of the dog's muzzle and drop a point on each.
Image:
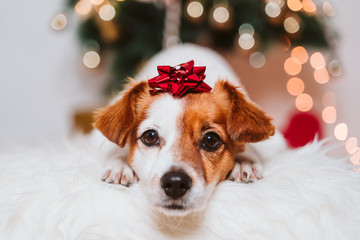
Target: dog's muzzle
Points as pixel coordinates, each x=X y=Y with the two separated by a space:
x=175 y=184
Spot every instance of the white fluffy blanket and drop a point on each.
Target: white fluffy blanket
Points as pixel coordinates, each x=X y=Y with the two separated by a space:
x=55 y=192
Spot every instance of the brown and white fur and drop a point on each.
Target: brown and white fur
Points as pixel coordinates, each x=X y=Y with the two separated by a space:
x=181 y=130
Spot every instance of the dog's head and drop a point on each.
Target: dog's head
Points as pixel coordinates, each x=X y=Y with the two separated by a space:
x=181 y=148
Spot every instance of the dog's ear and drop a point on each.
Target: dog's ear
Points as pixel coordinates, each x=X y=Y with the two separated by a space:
x=245 y=122
x=118 y=120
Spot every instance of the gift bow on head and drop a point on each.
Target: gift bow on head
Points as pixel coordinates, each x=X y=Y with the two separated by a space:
x=180 y=79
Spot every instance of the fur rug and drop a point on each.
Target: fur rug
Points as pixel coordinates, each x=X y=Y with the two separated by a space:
x=55 y=192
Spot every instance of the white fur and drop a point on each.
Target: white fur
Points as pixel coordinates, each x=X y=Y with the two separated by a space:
x=54 y=192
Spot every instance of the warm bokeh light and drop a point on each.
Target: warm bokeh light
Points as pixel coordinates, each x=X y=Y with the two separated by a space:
x=335 y=68
x=291 y=25
x=246 y=41
x=317 y=60
x=292 y=66
x=280 y=3
x=294 y=5
x=272 y=9
x=341 y=131
x=328 y=9
x=97 y=2
x=91 y=59
x=300 y=53
x=304 y=102
x=329 y=99
x=295 y=86
x=107 y=12
x=329 y=114
x=59 y=22
x=221 y=15
x=351 y=145
x=309 y=6
x=246 y=28
x=257 y=60
x=195 y=9
x=321 y=76
x=83 y=7
x=355 y=159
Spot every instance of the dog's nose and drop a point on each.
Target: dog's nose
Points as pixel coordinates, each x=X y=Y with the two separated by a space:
x=175 y=184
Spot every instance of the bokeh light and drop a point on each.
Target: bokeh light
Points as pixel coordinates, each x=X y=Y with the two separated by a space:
x=341 y=131
x=329 y=114
x=195 y=9
x=328 y=9
x=292 y=66
x=83 y=7
x=304 y=102
x=97 y=2
x=59 y=22
x=257 y=60
x=351 y=145
x=295 y=86
x=291 y=25
x=221 y=14
x=317 y=60
x=300 y=53
x=321 y=76
x=246 y=41
x=335 y=68
x=246 y=28
x=294 y=5
x=107 y=12
x=91 y=59
x=272 y=9
x=309 y=6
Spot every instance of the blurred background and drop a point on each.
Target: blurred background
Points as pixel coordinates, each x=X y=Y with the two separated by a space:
x=60 y=60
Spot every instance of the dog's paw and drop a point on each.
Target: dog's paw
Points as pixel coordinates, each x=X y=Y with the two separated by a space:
x=122 y=174
x=246 y=171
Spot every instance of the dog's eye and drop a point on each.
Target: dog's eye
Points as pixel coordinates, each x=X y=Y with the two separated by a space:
x=150 y=138
x=211 y=142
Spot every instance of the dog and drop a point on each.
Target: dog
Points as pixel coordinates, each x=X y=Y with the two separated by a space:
x=180 y=148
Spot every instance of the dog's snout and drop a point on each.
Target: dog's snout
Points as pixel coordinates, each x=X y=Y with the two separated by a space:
x=176 y=184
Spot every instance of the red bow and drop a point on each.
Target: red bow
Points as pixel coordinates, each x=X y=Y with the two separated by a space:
x=180 y=79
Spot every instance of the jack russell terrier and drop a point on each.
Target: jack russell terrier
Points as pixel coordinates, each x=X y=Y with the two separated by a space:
x=179 y=138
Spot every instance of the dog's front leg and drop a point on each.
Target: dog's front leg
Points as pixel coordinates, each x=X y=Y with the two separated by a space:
x=248 y=167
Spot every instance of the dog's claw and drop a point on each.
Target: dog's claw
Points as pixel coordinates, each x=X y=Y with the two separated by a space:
x=245 y=171
x=120 y=174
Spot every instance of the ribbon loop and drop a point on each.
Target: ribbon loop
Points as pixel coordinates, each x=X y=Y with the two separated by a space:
x=180 y=79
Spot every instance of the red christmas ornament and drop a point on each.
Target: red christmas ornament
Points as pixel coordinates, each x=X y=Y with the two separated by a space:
x=180 y=79
x=302 y=129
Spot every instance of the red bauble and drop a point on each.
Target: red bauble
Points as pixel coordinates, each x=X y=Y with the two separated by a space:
x=302 y=129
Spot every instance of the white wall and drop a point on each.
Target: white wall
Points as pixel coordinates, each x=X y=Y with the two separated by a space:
x=42 y=80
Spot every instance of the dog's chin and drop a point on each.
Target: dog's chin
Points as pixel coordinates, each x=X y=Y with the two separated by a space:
x=178 y=210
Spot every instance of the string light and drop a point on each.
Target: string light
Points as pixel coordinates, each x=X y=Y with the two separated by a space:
x=292 y=66
x=83 y=7
x=355 y=159
x=221 y=14
x=341 y=131
x=291 y=25
x=317 y=60
x=295 y=86
x=91 y=59
x=195 y=9
x=97 y=2
x=257 y=60
x=328 y=9
x=294 y=5
x=107 y=12
x=272 y=9
x=304 y=102
x=321 y=76
x=300 y=54
x=335 y=68
x=329 y=114
x=59 y=22
x=246 y=41
x=280 y=3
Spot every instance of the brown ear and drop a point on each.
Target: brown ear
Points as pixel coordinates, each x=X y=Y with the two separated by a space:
x=246 y=122
x=117 y=120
